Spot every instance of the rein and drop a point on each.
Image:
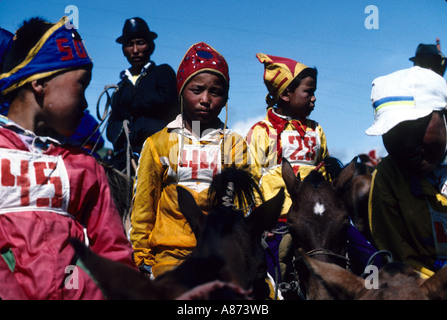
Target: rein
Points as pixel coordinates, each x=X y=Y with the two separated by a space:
x=327 y=252
x=295 y=284
x=104 y=118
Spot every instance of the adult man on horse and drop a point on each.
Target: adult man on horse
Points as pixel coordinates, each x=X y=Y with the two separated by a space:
x=146 y=96
x=408 y=199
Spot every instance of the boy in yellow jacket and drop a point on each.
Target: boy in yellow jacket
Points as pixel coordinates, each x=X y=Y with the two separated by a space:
x=286 y=132
x=189 y=152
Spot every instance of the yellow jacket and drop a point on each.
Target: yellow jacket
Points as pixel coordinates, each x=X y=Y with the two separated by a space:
x=160 y=234
x=275 y=137
x=400 y=218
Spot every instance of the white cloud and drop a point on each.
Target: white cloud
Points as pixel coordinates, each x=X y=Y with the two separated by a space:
x=242 y=127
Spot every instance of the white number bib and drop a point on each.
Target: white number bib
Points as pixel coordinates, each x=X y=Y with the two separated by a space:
x=30 y=181
x=299 y=151
x=199 y=163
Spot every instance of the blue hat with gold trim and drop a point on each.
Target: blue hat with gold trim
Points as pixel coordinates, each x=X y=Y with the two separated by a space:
x=59 y=49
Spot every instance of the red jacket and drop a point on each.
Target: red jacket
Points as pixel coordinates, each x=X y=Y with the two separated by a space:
x=46 y=198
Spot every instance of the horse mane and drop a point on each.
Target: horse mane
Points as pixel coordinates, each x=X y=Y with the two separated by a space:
x=333 y=167
x=314 y=178
x=236 y=183
x=120 y=187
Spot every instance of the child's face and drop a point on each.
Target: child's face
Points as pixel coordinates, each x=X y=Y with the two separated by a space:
x=301 y=102
x=204 y=96
x=64 y=101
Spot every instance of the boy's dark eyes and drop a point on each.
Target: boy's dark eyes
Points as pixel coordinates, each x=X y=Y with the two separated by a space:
x=217 y=92
x=214 y=92
x=196 y=90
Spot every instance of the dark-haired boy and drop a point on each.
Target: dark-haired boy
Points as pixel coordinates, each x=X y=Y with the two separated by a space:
x=49 y=192
x=286 y=131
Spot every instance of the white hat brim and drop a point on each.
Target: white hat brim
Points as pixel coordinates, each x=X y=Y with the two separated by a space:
x=383 y=124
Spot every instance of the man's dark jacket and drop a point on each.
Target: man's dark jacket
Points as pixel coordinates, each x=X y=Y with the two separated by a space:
x=148 y=105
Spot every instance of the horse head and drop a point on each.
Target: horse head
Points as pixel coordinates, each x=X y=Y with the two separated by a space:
x=356 y=195
x=317 y=220
x=228 y=236
x=120 y=282
x=394 y=281
x=356 y=192
x=228 y=257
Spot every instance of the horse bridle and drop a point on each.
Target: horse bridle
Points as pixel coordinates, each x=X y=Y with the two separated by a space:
x=323 y=251
x=295 y=284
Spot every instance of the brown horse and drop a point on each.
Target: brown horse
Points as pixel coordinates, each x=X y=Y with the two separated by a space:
x=317 y=222
x=228 y=247
x=356 y=194
x=394 y=281
x=356 y=200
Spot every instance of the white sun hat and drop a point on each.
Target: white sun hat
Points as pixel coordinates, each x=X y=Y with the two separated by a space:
x=403 y=95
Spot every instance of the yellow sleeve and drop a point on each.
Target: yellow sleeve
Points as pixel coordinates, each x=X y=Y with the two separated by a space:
x=263 y=154
x=324 y=152
x=147 y=190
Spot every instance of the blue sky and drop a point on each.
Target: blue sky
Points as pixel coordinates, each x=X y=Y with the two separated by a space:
x=329 y=35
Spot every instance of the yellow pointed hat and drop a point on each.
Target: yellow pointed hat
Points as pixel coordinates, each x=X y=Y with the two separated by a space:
x=279 y=73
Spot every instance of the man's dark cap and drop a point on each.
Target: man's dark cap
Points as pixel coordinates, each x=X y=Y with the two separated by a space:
x=427 y=51
x=136 y=28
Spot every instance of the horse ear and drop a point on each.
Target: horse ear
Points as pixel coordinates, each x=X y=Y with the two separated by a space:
x=339 y=282
x=116 y=281
x=435 y=287
x=266 y=215
x=292 y=182
x=190 y=209
x=345 y=177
